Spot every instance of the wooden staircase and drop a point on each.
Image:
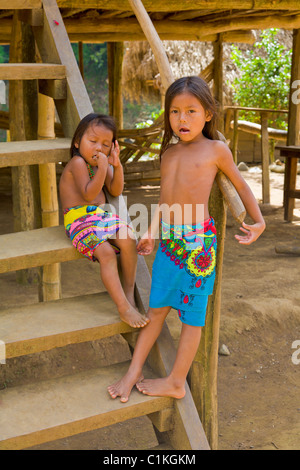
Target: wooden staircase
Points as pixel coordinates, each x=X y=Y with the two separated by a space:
x=41 y=412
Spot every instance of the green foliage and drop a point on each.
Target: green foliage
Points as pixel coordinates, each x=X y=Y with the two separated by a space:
x=264 y=78
x=4 y=54
x=154 y=115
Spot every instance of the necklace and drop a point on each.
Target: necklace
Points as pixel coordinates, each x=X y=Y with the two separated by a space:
x=90 y=170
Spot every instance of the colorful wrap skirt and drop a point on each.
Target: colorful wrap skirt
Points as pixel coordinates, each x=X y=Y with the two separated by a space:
x=89 y=226
x=183 y=271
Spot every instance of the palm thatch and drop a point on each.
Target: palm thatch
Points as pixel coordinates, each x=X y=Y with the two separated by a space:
x=141 y=79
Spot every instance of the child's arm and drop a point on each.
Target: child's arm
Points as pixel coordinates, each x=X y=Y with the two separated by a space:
x=89 y=188
x=226 y=164
x=114 y=180
x=146 y=244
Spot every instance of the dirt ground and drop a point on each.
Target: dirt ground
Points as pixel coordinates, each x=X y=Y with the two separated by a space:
x=258 y=383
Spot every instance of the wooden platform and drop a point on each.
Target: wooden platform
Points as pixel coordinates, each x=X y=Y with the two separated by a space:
x=57 y=408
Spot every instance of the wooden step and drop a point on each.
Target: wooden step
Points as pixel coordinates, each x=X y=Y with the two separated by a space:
x=31 y=152
x=58 y=408
x=47 y=325
x=28 y=249
x=31 y=71
x=20 y=4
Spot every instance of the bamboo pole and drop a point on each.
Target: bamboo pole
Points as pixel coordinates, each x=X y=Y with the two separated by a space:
x=51 y=284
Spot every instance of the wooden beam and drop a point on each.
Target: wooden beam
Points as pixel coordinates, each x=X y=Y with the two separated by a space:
x=196 y=27
x=20 y=4
x=179 y=5
x=245 y=37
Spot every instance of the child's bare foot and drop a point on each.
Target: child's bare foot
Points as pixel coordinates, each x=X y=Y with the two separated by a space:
x=132 y=317
x=123 y=387
x=164 y=387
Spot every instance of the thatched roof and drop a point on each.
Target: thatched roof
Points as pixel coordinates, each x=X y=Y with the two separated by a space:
x=141 y=76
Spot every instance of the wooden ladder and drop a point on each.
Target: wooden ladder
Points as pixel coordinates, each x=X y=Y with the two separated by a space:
x=41 y=412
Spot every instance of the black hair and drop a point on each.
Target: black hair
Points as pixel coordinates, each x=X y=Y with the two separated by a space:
x=198 y=87
x=93 y=118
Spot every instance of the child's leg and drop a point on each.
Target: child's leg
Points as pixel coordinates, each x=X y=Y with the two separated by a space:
x=146 y=340
x=110 y=277
x=174 y=384
x=128 y=261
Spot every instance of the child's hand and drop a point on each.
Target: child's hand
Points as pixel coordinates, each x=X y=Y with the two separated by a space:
x=146 y=245
x=113 y=158
x=252 y=233
x=100 y=159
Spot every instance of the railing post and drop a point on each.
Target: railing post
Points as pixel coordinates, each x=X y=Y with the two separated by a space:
x=265 y=159
x=235 y=135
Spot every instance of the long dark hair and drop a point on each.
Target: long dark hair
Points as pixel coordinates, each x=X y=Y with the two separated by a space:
x=93 y=118
x=199 y=88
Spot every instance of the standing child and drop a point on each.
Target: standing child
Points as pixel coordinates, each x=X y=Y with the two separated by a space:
x=184 y=268
x=95 y=232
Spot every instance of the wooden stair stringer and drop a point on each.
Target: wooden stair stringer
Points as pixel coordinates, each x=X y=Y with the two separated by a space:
x=54 y=47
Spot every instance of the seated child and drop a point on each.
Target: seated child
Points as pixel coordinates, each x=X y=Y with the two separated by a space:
x=94 y=232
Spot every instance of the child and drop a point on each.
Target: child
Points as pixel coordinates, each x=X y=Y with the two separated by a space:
x=93 y=231
x=184 y=268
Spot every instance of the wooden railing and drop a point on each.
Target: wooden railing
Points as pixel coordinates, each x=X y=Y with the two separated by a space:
x=262 y=130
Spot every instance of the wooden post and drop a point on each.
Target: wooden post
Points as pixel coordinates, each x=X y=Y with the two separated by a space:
x=293 y=137
x=203 y=373
x=265 y=159
x=80 y=58
x=235 y=135
x=115 y=53
x=51 y=285
x=219 y=80
x=22 y=104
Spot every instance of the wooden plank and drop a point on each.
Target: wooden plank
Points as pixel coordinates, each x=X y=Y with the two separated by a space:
x=32 y=152
x=20 y=4
x=21 y=250
x=31 y=71
x=46 y=325
x=44 y=411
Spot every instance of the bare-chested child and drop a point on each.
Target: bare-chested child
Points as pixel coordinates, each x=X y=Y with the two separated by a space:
x=184 y=268
x=96 y=233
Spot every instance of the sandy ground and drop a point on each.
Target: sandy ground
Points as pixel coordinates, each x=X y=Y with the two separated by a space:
x=258 y=383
